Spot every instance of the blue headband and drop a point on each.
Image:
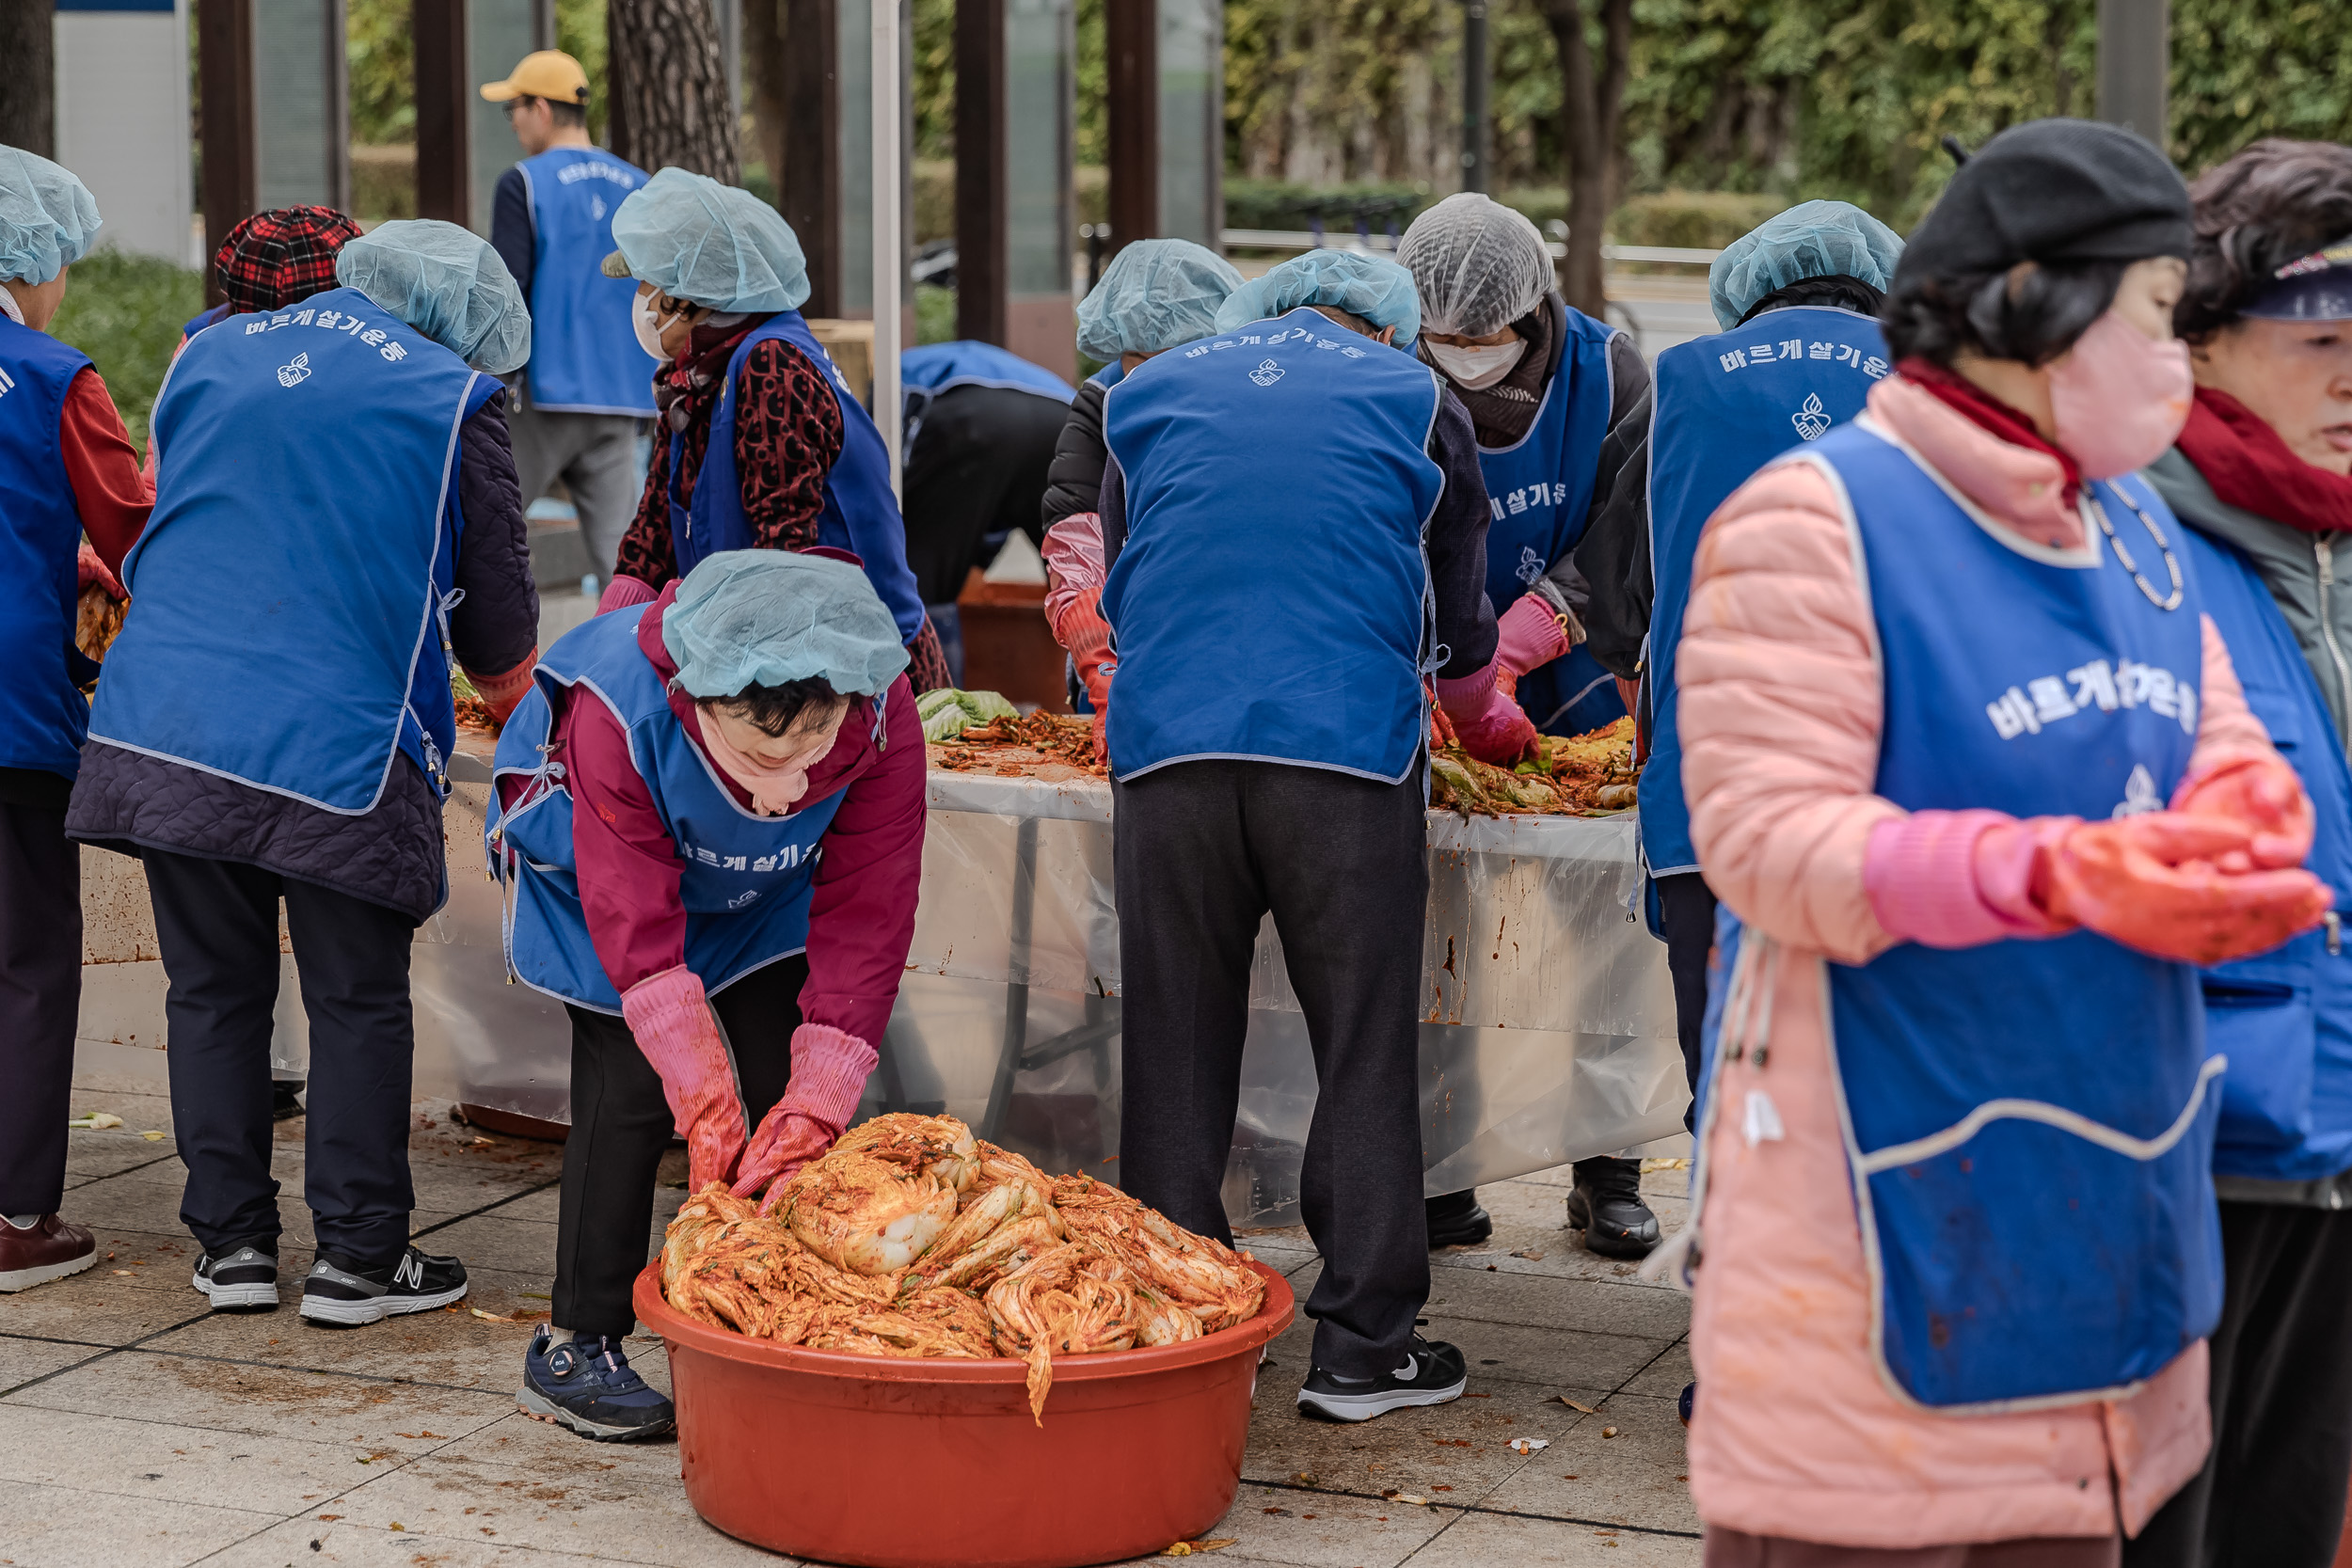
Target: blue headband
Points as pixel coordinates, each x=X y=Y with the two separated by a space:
x=2313 y=288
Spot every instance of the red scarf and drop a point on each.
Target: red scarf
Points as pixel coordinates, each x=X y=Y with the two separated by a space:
x=1992 y=415
x=2250 y=465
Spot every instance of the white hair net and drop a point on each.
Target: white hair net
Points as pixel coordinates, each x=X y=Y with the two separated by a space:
x=765 y=617
x=694 y=239
x=1479 y=265
x=447 y=283
x=1155 y=295
x=1372 y=287
x=1813 y=239
x=47 y=217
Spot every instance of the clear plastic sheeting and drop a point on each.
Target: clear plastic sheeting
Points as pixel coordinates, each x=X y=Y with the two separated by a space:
x=1548 y=1017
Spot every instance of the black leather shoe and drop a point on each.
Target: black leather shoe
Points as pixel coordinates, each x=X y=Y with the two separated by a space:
x=1607 y=1206
x=1456 y=1219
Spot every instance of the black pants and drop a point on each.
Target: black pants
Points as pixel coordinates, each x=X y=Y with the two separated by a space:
x=2272 y=1492
x=978 y=468
x=40 y=993
x=621 y=1123
x=1687 y=905
x=1201 y=851
x=216 y=922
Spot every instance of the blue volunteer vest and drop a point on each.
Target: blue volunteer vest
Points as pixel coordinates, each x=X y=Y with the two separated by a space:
x=1271 y=602
x=1540 y=491
x=2029 y=1124
x=927 y=372
x=203 y=319
x=43 y=715
x=748 y=880
x=2284 y=1019
x=584 y=354
x=861 y=510
x=294 y=584
x=1724 y=407
x=1109 y=375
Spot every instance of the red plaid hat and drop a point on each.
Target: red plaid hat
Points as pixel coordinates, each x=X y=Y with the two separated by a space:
x=274 y=258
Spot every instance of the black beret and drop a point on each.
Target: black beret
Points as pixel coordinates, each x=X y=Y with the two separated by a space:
x=2053 y=191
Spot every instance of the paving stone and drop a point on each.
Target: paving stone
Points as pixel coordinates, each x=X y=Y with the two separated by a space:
x=64 y=1527
x=1635 y=1478
x=95 y=1307
x=1580 y=1304
x=130 y=1454
x=379 y=1547
x=494 y=1241
x=1324 y=1530
x=1550 y=1358
x=451 y=1349
x=22 y=1361
x=89 y=1155
x=1484 y=1540
x=1665 y=1378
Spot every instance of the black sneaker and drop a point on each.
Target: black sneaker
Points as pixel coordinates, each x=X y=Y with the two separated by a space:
x=1432 y=1373
x=242 y=1279
x=1607 y=1206
x=347 y=1297
x=1457 y=1220
x=588 y=1384
x=285 y=1099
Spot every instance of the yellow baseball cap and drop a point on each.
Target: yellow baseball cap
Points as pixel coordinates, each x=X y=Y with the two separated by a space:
x=549 y=73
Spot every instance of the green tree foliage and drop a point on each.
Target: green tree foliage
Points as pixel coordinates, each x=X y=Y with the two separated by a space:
x=125 y=313
x=381 y=59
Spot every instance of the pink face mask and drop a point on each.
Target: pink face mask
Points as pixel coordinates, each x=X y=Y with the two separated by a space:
x=772 y=789
x=2119 y=397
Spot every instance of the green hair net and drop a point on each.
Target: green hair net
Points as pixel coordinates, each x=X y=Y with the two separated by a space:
x=694 y=239
x=765 y=617
x=1155 y=295
x=47 y=217
x=447 y=283
x=1813 y=239
x=1372 y=287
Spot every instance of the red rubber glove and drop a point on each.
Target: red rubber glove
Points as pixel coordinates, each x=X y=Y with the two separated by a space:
x=829 y=1071
x=623 y=591
x=1087 y=637
x=2152 y=882
x=669 y=1015
x=1528 y=636
x=2261 y=792
x=502 y=692
x=1488 y=723
x=88 y=569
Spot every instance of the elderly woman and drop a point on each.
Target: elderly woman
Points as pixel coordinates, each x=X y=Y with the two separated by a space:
x=2260 y=475
x=1941 y=673
x=336 y=513
x=752 y=404
x=711 y=814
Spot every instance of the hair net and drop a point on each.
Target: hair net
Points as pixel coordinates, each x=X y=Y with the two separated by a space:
x=694 y=239
x=447 y=284
x=764 y=617
x=1372 y=287
x=1479 y=265
x=1155 y=295
x=47 y=217
x=1813 y=239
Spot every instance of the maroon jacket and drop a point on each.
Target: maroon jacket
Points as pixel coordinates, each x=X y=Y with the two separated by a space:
x=861 y=918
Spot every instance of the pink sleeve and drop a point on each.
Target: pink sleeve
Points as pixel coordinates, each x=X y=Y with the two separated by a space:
x=861 y=919
x=627 y=862
x=1780 y=714
x=2227 y=730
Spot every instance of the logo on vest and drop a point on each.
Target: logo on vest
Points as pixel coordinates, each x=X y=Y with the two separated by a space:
x=294 y=372
x=1531 y=566
x=2140 y=794
x=596 y=208
x=740 y=899
x=1267 y=373
x=1812 y=419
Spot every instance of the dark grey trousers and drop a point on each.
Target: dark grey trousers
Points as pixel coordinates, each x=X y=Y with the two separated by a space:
x=40 y=991
x=1687 y=905
x=1203 y=851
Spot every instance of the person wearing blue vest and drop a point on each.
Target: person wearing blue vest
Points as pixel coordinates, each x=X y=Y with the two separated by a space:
x=578 y=405
x=2262 y=474
x=761 y=443
x=1970 y=769
x=336 y=519
x=67 y=471
x=1294 y=529
x=708 y=813
x=1558 y=401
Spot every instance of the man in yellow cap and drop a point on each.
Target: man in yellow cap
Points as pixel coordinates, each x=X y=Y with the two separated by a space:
x=576 y=409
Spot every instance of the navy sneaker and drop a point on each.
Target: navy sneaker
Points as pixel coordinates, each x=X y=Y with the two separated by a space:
x=588 y=1384
x=1432 y=1373
x=242 y=1279
x=1682 y=1405
x=339 y=1295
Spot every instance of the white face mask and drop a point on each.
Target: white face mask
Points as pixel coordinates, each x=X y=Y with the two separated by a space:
x=1475 y=369
x=648 y=325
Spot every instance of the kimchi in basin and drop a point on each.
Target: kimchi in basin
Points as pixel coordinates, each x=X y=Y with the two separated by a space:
x=937 y=1463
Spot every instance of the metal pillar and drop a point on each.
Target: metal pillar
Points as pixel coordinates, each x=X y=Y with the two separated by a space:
x=444 y=122
x=890 y=254
x=1475 y=72
x=224 y=51
x=2134 y=65
x=1132 y=107
x=277 y=121
x=980 y=175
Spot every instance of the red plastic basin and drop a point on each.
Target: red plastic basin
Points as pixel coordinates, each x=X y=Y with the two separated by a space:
x=935 y=1464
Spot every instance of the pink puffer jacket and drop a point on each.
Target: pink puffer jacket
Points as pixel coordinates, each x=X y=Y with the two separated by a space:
x=1795 y=1433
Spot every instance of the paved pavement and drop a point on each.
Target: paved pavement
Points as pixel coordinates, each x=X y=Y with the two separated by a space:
x=136 y=1429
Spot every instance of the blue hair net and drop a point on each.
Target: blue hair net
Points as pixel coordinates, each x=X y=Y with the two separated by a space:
x=694 y=239
x=1813 y=239
x=47 y=217
x=1368 y=286
x=1155 y=295
x=765 y=617
x=447 y=283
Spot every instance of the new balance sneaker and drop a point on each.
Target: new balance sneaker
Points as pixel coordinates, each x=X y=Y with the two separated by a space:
x=242 y=1279
x=588 y=1384
x=1607 y=1206
x=42 y=1249
x=1432 y=1373
x=347 y=1297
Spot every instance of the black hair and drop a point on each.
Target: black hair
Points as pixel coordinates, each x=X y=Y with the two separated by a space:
x=574 y=115
x=2273 y=203
x=2030 y=312
x=1837 y=290
x=774 y=709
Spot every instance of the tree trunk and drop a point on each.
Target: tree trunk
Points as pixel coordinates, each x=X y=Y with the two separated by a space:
x=669 y=88
x=1589 y=103
x=28 y=84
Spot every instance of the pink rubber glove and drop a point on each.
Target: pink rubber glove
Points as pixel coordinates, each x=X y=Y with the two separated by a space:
x=669 y=1015
x=1488 y=723
x=829 y=1071
x=623 y=591
x=1530 y=635
x=88 y=569
x=1074 y=564
x=2151 y=884
x=2259 y=792
x=1087 y=637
